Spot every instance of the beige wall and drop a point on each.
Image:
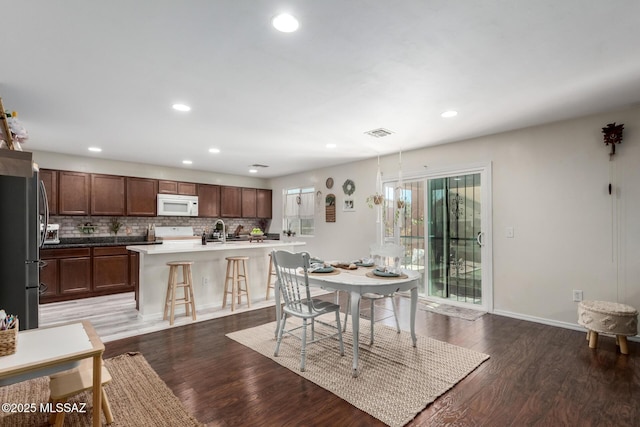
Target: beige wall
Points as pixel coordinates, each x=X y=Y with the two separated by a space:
x=549 y=184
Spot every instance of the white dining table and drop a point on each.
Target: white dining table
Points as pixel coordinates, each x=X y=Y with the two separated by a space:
x=48 y=350
x=357 y=283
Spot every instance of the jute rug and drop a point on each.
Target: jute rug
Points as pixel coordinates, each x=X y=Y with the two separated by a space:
x=137 y=395
x=396 y=381
x=451 y=310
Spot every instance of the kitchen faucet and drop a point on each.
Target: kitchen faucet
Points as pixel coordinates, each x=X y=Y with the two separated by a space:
x=224 y=230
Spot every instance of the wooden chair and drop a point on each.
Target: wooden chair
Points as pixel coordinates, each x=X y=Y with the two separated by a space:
x=294 y=289
x=236 y=278
x=66 y=384
x=187 y=285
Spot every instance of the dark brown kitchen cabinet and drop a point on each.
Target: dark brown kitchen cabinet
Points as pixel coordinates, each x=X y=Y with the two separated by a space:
x=175 y=187
x=107 y=195
x=208 y=201
x=141 y=196
x=249 y=203
x=74 y=269
x=230 y=202
x=263 y=203
x=110 y=268
x=50 y=180
x=73 y=193
x=72 y=273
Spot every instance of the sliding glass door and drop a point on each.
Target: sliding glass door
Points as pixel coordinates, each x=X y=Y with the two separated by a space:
x=442 y=221
x=455 y=238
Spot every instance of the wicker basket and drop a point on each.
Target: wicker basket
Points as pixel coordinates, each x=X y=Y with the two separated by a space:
x=8 y=341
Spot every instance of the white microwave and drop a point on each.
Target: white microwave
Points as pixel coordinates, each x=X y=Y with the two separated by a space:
x=176 y=205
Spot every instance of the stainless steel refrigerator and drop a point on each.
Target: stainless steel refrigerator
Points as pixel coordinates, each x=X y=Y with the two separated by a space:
x=23 y=217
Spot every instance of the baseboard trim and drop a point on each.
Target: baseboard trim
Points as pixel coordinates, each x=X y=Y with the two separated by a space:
x=549 y=322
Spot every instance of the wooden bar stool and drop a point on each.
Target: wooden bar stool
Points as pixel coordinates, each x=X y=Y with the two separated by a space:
x=66 y=384
x=187 y=286
x=235 y=277
x=271 y=277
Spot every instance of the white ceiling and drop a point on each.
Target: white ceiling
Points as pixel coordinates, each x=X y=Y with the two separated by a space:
x=87 y=73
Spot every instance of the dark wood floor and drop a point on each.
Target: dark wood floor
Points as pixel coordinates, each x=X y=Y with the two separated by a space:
x=537 y=376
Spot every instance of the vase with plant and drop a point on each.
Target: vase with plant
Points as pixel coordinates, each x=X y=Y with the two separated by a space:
x=114 y=227
x=375 y=200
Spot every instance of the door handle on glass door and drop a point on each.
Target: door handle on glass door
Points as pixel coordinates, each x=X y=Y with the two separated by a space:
x=479 y=238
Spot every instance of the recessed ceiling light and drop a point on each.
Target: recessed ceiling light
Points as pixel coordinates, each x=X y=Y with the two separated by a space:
x=214 y=150
x=95 y=149
x=187 y=162
x=181 y=107
x=448 y=114
x=253 y=170
x=331 y=145
x=285 y=23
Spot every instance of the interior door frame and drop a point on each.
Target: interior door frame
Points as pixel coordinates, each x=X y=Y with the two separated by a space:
x=485 y=171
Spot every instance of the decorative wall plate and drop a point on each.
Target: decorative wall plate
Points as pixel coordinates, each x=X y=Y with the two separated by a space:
x=329 y=182
x=348 y=187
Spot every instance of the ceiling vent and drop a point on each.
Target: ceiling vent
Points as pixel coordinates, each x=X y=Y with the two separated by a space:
x=257 y=165
x=379 y=133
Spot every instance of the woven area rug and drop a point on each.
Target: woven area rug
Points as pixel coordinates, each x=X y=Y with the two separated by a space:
x=451 y=310
x=137 y=395
x=396 y=381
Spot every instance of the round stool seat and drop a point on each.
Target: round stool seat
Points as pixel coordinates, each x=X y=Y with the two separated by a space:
x=237 y=258
x=608 y=317
x=178 y=263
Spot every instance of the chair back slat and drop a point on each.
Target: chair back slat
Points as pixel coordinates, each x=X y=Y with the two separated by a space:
x=294 y=288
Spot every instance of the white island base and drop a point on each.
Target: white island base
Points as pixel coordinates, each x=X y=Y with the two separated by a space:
x=208 y=270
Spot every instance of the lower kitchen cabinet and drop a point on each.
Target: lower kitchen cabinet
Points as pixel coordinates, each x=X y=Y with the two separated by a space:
x=84 y=272
x=110 y=268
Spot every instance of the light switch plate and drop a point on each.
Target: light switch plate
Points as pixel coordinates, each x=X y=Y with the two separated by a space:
x=509 y=232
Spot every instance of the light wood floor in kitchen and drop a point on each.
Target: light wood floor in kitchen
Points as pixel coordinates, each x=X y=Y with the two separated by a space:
x=115 y=316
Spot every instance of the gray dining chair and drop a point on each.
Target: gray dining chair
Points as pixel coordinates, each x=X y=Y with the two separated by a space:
x=293 y=285
x=373 y=298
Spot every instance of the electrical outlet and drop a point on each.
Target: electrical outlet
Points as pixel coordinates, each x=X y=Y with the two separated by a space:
x=577 y=295
x=205 y=281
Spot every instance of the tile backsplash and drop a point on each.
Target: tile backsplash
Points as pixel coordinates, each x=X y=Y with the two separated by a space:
x=137 y=226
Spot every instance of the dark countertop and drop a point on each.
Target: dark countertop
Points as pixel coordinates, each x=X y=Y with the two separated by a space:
x=88 y=242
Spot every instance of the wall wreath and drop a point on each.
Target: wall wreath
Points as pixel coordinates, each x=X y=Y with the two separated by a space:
x=348 y=187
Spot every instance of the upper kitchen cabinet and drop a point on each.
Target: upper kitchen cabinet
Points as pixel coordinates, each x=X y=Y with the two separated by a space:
x=174 y=187
x=249 y=203
x=74 y=193
x=107 y=195
x=263 y=203
x=141 y=196
x=231 y=202
x=208 y=201
x=50 y=180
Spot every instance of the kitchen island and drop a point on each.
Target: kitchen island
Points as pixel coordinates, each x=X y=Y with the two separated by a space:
x=208 y=270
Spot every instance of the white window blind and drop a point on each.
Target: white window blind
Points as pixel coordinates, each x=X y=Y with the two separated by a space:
x=299 y=210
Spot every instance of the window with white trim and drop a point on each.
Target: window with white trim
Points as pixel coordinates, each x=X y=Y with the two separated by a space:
x=299 y=211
